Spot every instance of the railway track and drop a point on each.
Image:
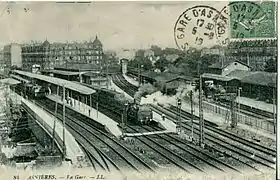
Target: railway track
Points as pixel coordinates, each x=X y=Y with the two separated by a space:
x=250 y=111
x=121 y=157
x=98 y=159
x=196 y=152
x=229 y=135
x=221 y=141
x=243 y=154
x=165 y=153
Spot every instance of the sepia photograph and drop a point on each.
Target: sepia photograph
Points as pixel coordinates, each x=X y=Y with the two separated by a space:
x=121 y=90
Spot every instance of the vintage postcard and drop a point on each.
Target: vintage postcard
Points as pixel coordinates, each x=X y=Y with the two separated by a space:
x=138 y=90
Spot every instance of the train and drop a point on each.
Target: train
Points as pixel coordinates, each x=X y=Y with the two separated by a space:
x=116 y=102
x=113 y=101
x=31 y=90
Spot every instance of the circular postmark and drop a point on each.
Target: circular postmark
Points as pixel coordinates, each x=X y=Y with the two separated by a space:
x=240 y=20
x=195 y=28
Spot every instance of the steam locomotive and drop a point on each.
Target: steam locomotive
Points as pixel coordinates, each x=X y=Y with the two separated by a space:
x=141 y=114
x=116 y=102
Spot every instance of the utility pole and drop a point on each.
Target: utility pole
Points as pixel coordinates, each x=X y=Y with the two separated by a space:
x=191 y=96
x=97 y=104
x=124 y=116
x=201 y=119
x=239 y=90
x=179 y=103
x=107 y=71
x=64 y=146
x=274 y=114
x=139 y=81
x=233 y=114
x=54 y=123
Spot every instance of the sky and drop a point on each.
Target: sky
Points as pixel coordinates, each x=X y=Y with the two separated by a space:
x=117 y=24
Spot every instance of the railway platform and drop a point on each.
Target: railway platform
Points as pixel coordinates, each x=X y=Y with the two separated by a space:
x=220 y=120
x=90 y=112
x=256 y=104
x=131 y=80
x=46 y=121
x=146 y=133
x=115 y=87
x=167 y=124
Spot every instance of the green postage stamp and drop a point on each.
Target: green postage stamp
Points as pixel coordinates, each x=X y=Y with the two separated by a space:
x=252 y=20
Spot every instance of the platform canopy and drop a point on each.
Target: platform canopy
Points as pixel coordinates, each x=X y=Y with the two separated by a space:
x=9 y=81
x=61 y=72
x=60 y=82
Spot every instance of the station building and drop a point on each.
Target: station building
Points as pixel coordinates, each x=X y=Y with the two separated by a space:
x=49 y=55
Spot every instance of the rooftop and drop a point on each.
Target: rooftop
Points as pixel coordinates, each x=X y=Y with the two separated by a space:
x=261 y=78
x=67 y=73
x=251 y=77
x=225 y=63
x=79 y=66
x=217 y=77
x=61 y=82
x=9 y=81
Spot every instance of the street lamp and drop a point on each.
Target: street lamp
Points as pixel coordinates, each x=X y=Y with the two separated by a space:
x=179 y=103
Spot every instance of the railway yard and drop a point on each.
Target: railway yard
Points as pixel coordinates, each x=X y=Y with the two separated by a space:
x=225 y=150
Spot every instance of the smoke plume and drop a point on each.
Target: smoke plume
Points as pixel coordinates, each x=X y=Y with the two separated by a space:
x=183 y=92
x=144 y=90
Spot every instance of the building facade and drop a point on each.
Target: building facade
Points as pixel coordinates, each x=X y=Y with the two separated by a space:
x=12 y=55
x=2 y=62
x=227 y=66
x=49 y=55
x=255 y=53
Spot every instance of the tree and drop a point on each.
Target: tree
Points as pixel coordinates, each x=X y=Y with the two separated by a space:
x=271 y=65
x=161 y=64
x=138 y=62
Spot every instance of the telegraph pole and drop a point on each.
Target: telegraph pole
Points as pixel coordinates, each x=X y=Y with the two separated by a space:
x=274 y=114
x=239 y=90
x=233 y=115
x=97 y=104
x=179 y=103
x=64 y=146
x=139 y=75
x=201 y=119
x=191 y=96
x=107 y=72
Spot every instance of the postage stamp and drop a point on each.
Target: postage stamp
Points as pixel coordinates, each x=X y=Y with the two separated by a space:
x=251 y=19
x=138 y=90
